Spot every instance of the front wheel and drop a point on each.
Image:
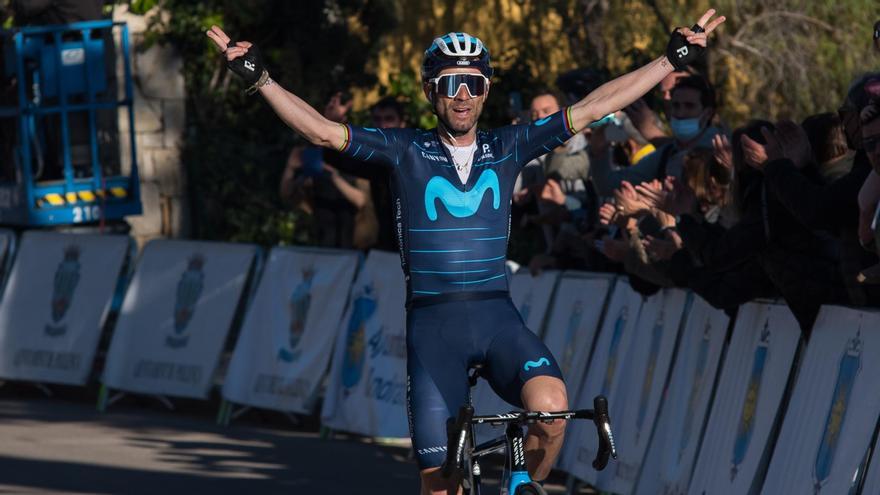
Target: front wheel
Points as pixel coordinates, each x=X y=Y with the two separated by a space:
x=530 y=488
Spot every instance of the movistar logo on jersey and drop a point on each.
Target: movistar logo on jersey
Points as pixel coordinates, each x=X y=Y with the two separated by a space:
x=461 y=204
x=536 y=364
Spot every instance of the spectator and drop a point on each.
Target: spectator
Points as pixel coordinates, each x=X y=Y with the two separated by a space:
x=869 y=195
x=834 y=208
x=335 y=198
x=767 y=231
x=831 y=155
x=653 y=240
x=645 y=120
x=631 y=142
x=556 y=183
x=384 y=114
x=692 y=108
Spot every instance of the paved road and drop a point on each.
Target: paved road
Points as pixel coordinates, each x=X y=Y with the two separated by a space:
x=53 y=446
x=58 y=445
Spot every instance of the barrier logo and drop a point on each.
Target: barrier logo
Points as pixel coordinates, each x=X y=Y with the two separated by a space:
x=648 y=382
x=189 y=289
x=750 y=404
x=696 y=388
x=363 y=309
x=847 y=371
x=536 y=364
x=574 y=322
x=461 y=204
x=298 y=306
x=63 y=287
x=613 y=349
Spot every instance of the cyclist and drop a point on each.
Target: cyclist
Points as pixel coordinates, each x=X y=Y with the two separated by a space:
x=451 y=190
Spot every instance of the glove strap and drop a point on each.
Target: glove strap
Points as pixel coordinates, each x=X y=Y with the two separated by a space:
x=262 y=81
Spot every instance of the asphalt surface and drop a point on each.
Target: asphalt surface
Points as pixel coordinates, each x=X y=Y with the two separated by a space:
x=63 y=445
x=54 y=446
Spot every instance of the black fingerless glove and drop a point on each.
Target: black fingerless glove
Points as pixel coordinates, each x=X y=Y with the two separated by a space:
x=249 y=67
x=681 y=53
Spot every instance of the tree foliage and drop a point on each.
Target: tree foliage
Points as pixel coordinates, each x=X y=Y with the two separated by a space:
x=235 y=148
x=788 y=58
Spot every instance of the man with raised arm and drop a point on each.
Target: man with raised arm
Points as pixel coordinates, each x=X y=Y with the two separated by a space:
x=452 y=190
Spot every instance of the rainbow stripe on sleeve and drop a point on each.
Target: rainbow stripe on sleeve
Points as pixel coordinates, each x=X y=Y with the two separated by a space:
x=346 y=142
x=569 y=126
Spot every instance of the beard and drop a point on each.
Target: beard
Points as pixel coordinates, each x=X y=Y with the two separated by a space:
x=459 y=117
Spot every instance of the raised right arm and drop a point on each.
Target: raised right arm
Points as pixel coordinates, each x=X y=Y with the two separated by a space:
x=295 y=112
x=302 y=118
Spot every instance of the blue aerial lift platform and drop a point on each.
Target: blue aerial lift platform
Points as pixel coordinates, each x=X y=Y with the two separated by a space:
x=63 y=164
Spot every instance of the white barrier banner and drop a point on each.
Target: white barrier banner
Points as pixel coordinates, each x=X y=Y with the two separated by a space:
x=366 y=391
x=287 y=337
x=55 y=303
x=605 y=369
x=176 y=316
x=636 y=397
x=532 y=297
x=7 y=254
x=753 y=379
x=573 y=323
x=670 y=460
x=834 y=408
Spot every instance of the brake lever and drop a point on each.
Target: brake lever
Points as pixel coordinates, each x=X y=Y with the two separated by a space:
x=603 y=430
x=456 y=440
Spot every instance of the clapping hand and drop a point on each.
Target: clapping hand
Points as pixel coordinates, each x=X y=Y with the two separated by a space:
x=756 y=154
x=674 y=198
x=628 y=200
x=789 y=140
x=663 y=249
x=723 y=151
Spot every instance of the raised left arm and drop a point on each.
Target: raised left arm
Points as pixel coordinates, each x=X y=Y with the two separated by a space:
x=624 y=90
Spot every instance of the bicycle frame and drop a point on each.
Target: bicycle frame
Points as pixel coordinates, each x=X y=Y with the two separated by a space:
x=464 y=456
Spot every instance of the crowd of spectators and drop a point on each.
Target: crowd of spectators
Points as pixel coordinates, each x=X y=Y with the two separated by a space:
x=673 y=198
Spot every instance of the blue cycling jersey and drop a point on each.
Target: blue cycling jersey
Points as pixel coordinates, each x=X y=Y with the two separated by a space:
x=453 y=236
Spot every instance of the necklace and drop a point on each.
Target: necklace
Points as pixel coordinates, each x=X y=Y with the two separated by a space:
x=462 y=157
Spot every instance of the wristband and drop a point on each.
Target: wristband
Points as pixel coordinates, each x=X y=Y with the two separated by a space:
x=262 y=81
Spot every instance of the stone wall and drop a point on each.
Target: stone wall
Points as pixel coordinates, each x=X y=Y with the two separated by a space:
x=160 y=117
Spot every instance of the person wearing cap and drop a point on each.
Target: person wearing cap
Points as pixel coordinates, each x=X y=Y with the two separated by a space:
x=452 y=189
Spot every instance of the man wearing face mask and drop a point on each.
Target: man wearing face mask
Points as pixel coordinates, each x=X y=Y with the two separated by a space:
x=692 y=110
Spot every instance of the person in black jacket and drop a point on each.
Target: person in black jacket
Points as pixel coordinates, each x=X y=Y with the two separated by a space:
x=831 y=208
x=802 y=266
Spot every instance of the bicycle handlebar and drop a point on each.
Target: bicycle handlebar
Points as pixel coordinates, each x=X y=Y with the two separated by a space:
x=457 y=430
x=603 y=430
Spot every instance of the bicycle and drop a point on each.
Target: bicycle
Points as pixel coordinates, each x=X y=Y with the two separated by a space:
x=463 y=457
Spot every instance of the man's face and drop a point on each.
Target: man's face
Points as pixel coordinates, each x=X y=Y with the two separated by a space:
x=669 y=82
x=543 y=106
x=686 y=104
x=386 y=118
x=666 y=86
x=460 y=113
